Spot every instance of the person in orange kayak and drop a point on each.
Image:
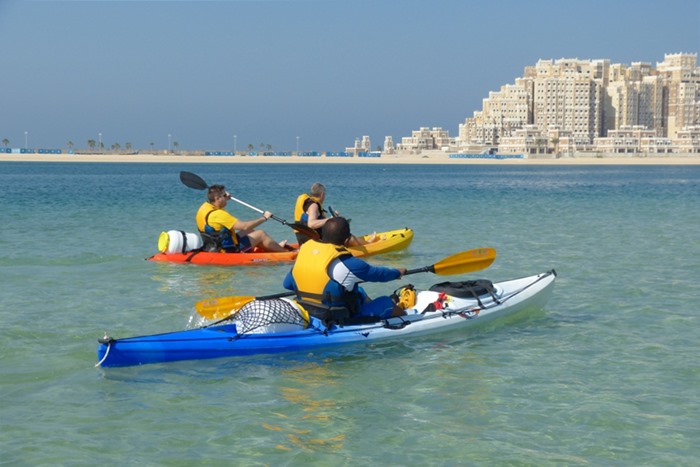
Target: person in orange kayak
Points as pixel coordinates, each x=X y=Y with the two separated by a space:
x=309 y=211
x=222 y=231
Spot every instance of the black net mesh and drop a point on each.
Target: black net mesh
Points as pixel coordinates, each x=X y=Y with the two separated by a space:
x=267 y=316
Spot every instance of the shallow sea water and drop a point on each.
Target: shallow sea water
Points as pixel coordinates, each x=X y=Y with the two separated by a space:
x=606 y=374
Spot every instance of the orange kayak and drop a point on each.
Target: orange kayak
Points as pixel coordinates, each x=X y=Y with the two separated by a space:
x=393 y=240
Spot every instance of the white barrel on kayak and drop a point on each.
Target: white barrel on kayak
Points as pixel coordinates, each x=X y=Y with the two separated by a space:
x=177 y=241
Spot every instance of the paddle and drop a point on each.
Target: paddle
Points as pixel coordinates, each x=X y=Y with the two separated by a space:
x=333 y=213
x=218 y=308
x=196 y=182
x=459 y=263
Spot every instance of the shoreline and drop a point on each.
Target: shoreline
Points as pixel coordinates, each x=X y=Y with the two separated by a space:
x=436 y=157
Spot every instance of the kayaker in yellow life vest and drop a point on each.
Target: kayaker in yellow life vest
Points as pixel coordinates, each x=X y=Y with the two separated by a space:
x=221 y=231
x=325 y=273
x=309 y=211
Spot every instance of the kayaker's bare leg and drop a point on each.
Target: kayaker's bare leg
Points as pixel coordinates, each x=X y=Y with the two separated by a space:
x=356 y=241
x=262 y=239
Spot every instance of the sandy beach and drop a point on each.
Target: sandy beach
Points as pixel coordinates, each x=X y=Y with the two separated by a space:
x=426 y=157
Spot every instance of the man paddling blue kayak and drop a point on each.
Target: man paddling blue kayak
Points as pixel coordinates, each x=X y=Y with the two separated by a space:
x=326 y=278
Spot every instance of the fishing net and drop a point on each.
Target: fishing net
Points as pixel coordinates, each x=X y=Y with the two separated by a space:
x=267 y=316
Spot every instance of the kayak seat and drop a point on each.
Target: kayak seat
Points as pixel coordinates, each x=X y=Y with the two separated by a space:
x=339 y=315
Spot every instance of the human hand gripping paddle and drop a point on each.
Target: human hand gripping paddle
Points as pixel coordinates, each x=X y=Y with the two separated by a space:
x=459 y=263
x=196 y=182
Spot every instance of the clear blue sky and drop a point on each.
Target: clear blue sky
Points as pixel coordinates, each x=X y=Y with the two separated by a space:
x=327 y=71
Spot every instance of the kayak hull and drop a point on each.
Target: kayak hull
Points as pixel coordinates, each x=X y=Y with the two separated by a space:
x=207 y=258
x=387 y=242
x=219 y=341
x=390 y=241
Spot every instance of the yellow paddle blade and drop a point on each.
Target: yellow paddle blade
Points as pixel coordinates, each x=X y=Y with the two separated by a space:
x=459 y=263
x=222 y=307
x=465 y=262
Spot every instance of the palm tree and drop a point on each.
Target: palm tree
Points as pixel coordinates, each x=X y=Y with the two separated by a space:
x=539 y=142
x=175 y=145
x=91 y=144
x=70 y=144
x=250 y=147
x=6 y=142
x=128 y=146
x=555 y=142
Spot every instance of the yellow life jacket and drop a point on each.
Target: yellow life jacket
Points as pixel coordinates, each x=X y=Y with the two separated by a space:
x=214 y=239
x=203 y=215
x=310 y=271
x=299 y=211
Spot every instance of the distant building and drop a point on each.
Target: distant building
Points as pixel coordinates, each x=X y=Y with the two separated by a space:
x=426 y=139
x=503 y=112
x=526 y=140
x=688 y=140
x=627 y=139
x=389 y=145
x=587 y=101
x=561 y=107
x=361 y=146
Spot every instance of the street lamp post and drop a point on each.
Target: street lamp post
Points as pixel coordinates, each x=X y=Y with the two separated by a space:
x=26 y=144
x=169 y=136
x=297 y=145
x=99 y=142
x=235 y=137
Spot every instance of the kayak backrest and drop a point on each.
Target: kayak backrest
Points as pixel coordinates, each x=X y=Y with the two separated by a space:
x=328 y=315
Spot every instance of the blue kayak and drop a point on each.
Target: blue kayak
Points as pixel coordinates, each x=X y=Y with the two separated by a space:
x=446 y=306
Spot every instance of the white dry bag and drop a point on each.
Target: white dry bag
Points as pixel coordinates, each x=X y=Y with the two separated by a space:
x=177 y=241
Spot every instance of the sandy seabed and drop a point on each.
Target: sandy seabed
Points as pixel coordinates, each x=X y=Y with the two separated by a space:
x=436 y=157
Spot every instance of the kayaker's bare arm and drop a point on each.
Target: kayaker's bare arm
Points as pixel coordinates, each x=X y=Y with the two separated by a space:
x=315 y=221
x=248 y=226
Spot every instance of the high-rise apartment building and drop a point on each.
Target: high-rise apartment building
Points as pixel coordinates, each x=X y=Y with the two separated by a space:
x=587 y=99
x=568 y=95
x=682 y=84
x=503 y=112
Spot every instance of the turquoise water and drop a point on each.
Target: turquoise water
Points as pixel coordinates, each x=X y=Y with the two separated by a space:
x=606 y=374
